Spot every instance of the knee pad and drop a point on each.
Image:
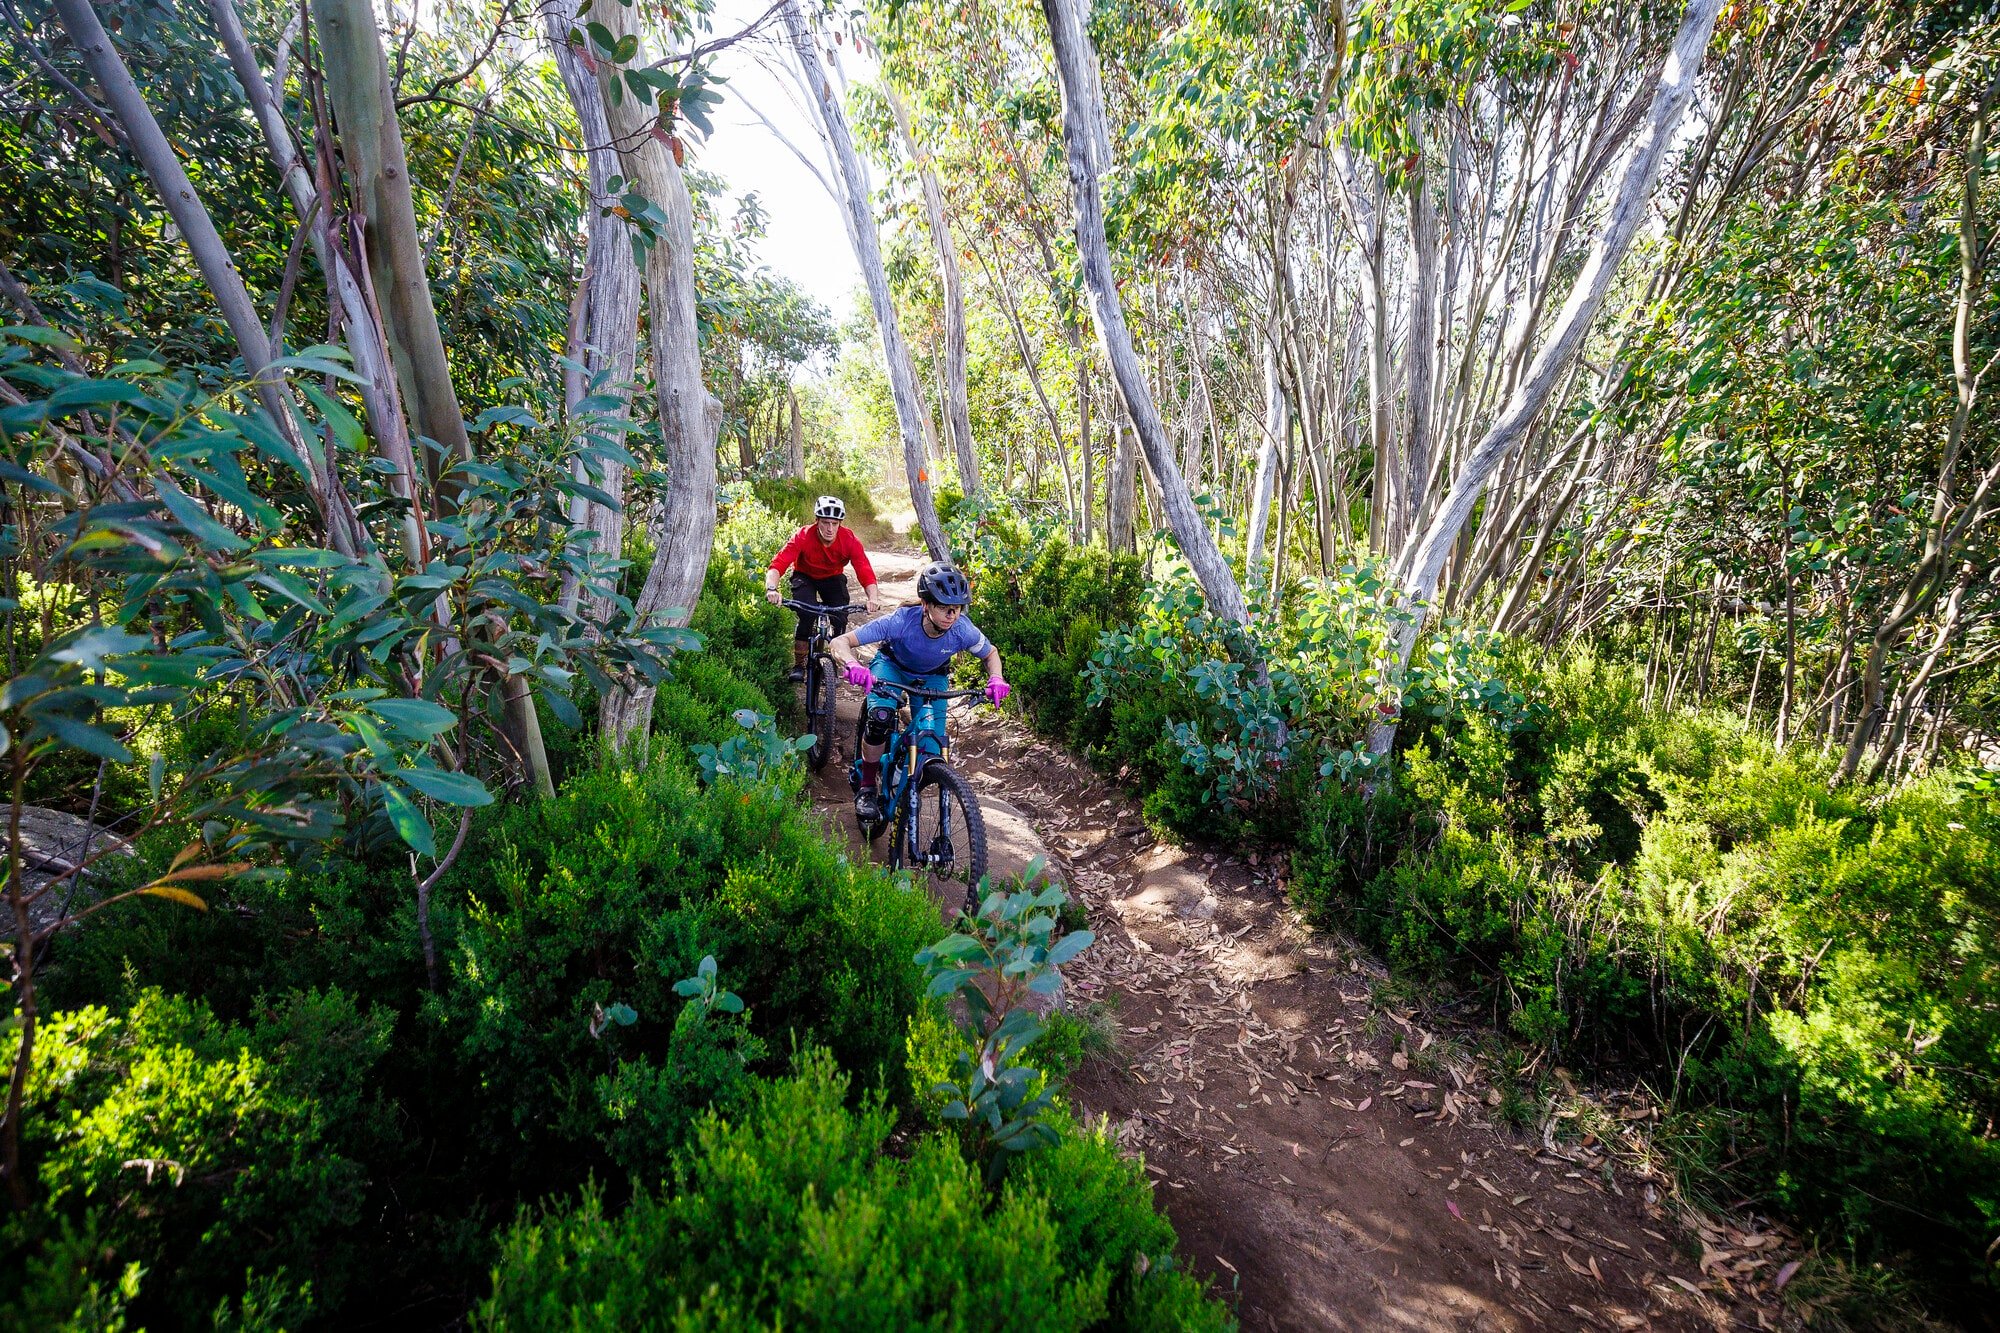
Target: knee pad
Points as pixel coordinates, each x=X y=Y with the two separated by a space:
x=881 y=722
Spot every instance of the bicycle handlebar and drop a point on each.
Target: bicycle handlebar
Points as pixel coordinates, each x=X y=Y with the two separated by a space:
x=817 y=608
x=928 y=694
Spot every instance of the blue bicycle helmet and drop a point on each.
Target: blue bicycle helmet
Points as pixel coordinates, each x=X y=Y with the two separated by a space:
x=943 y=583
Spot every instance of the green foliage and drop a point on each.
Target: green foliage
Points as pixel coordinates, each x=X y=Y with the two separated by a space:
x=166 y=1139
x=1005 y=954
x=758 y=756
x=790 y=501
x=1044 y=608
x=1816 y=967
x=793 y=1216
x=612 y=893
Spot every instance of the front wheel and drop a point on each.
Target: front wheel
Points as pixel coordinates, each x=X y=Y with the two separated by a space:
x=820 y=682
x=941 y=835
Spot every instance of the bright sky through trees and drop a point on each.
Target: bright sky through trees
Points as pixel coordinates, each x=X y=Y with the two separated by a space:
x=806 y=242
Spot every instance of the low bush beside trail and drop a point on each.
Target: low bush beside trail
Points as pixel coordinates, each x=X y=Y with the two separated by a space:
x=663 y=1007
x=1807 y=975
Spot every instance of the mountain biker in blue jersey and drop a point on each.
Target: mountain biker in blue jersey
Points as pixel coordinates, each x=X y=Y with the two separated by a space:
x=918 y=643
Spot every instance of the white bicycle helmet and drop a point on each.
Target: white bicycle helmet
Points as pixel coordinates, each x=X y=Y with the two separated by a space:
x=829 y=506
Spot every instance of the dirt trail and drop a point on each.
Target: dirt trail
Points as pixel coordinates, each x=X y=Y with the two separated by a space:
x=1322 y=1155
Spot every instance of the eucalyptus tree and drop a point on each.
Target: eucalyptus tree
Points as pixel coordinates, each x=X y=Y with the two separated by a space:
x=850 y=185
x=1087 y=141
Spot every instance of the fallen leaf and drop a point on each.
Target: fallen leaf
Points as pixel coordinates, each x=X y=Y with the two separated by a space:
x=1365 y=1103
x=1785 y=1274
x=1454 y=1209
x=1405 y=1143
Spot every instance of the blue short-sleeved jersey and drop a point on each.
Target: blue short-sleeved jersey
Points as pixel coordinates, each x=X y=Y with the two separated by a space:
x=901 y=634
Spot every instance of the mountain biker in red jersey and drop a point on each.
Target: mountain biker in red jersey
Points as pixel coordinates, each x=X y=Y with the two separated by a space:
x=818 y=556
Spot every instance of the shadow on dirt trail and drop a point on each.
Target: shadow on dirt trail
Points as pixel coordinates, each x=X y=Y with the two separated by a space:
x=1325 y=1158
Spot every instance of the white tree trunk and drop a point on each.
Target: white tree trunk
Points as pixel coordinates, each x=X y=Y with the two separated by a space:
x=867 y=243
x=795 y=444
x=957 y=410
x=1088 y=146
x=1267 y=463
x=380 y=399
x=1432 y=547
x=610 y=296
x=690 y=416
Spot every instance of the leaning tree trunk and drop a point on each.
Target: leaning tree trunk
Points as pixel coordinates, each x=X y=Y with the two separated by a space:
x=690 y=416
x=1089 y=151
x=610 y=300
x=1425 y=561
x=957 y=412
x=380 y=398
x=156 y=157
x=371 y=142
x=867 y=243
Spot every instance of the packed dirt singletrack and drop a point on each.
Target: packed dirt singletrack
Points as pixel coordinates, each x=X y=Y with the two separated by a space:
x=1327 y=1158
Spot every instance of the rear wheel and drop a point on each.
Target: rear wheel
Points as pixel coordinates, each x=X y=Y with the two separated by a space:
x=942 y=835
x=820 y=682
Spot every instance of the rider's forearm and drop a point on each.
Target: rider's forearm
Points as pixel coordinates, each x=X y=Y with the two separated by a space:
x=844 y=649
x=993 y=664
x=770 y=579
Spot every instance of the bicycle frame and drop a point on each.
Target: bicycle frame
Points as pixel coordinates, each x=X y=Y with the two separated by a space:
x=903 y=743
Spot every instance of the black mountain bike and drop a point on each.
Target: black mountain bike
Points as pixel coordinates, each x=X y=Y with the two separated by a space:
x=936 y=827
x=821 y=677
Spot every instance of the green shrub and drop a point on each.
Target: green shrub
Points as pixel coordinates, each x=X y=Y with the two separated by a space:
x=613 y=892
x=196 y=1149
x=790 y=499
x=794 y=1216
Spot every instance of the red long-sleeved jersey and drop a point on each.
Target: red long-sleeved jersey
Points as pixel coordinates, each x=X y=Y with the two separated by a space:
x=822 y=560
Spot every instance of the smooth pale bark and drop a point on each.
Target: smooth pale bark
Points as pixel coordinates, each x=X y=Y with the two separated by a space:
x=1267 y=464
x=867 y=243
x=371 y=144
x=608 y=328
x=1420 y=363
x=690 y=416
x=1120 y=526
x=157 y=158
x=1433 y=546
x=795 y=441
x=957 y=411
x=1089 y=152
x=381 y=401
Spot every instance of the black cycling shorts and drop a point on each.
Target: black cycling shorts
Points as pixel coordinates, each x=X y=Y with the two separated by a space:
x=826 y=592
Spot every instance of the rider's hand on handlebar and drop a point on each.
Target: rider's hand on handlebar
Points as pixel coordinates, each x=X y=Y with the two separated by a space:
x=868 y=596
x=997 y=690
x=858 y=676
x=773 y=596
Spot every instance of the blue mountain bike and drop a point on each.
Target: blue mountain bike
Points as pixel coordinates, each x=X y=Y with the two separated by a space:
x=934 y=822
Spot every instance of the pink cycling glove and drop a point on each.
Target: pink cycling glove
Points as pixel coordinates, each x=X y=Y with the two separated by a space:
x=858 y=676
x=997 y=690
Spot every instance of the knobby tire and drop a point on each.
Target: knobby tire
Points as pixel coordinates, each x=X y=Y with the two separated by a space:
x=820 y=684
x=917 y=825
